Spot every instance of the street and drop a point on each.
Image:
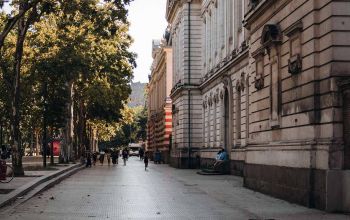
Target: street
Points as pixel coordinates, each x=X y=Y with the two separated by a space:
x=162 y=192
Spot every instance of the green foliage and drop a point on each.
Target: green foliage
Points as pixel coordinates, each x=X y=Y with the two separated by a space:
x=132 y=128
x=83 y=43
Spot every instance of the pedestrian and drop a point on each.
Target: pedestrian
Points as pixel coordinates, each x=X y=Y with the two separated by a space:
x=94 y=158
x=218 y=155
x=114 y=156
x=141 y=153
x=102 y=157
x=223 y=157
x=108 y=155
x=3 y=152
x=157 y=156
x=125 y=156
x=145 y=160
x=88 y=160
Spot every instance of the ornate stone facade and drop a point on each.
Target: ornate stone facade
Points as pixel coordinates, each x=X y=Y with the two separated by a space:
x=185 y=23
x=159 y=103
x=269 y=82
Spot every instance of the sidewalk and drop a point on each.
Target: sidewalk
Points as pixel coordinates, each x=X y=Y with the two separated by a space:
x=36 y=179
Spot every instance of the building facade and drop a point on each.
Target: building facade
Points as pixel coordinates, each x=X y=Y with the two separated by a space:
x=159 y=102
x=269 y=82
x=185 y=23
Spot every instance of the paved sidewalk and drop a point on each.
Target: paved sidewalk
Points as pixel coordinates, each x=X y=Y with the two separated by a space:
x=129 y=192
x=34 y=176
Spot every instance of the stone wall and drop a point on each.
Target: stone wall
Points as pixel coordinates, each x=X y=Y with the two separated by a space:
x=273 y=95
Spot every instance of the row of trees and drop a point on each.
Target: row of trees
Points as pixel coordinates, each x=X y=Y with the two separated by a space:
x=132 y=129
x=65 y=69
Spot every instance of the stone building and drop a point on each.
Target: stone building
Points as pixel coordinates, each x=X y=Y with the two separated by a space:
x=159 y=103
x=185 y=23
x=268 y=81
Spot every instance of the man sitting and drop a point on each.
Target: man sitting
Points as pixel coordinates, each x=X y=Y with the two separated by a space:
x=222 y=158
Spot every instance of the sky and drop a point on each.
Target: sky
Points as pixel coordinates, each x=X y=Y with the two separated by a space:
x=147 y=18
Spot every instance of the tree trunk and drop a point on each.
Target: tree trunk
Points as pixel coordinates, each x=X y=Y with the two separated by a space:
x=51 y=147
x=15 y=117
x=80 y=131
x=67 y=148
x=31 y=145
x=36 y=133
x=76 y=133
x=69 y=128
x=1 y=130
x=11 y=22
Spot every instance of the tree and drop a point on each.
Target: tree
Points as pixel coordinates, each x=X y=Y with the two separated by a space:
x=23 y=24
x=11 y=21
x=142 y=124
x=79 y=52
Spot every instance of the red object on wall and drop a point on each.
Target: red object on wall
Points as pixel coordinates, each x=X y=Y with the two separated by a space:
x=56 y=148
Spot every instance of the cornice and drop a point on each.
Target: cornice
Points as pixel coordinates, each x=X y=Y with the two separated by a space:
x=172 y=6
x=255 y=11
x=182 y=87
x=159 y=62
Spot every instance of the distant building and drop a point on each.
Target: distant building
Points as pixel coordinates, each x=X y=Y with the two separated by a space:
x=159 y=103
x=269 y=81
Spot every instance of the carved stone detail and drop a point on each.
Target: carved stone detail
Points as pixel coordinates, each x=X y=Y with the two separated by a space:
x=259 y=82
x=238 y=86
x=295 y=64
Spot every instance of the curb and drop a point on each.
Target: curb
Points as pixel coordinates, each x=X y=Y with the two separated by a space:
x=61 y=174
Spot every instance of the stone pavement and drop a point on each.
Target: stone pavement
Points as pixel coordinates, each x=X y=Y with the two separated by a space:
x=162 y=192
x=34 y=177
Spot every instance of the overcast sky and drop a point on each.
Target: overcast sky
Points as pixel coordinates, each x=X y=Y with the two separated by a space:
x=147 y=18
x=148 y=22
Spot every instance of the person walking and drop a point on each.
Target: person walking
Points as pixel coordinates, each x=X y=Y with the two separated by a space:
x=102 y=157
x=88 y=160
x=157 y=156
x=108 y=156
x=145 y=160
x=125 y=156
x=94 y=158
x=141 y=153
x=114 y=156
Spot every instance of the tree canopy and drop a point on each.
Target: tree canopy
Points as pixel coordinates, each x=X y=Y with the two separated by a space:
x=70 y=63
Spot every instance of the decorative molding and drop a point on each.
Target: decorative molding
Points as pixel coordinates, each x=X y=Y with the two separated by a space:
x=216 y=97
x=259 y=81
x=271 y=35
x=295 y=64
x=243 y=81
x=238 y=86
x=210 y=101
x=225 y=82
x=294 y=28
x=259 y=52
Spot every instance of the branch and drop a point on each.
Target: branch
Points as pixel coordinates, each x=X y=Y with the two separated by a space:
x=11 y=22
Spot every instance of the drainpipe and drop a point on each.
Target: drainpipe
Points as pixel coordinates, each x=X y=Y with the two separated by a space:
x=189 y=83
